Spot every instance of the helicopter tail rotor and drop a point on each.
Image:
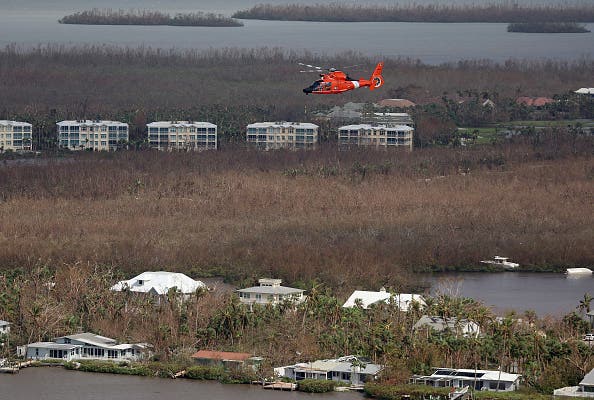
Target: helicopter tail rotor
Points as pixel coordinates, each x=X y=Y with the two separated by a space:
x=377 y=79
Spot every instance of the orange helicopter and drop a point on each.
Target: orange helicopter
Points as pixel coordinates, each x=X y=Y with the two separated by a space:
x=336 y=81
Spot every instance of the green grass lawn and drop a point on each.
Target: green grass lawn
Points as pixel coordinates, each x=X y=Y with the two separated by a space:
x=489 y=134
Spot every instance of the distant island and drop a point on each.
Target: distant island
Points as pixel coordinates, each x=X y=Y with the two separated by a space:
x=506 y=12
x=547 y=27
x=147 y=17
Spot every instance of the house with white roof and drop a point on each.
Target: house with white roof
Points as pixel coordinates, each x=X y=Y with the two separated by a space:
x=380 y=136
x=282 y=135
x=98 y=135
x=367 y=298
x=462 y=327
x=159 y=283
x=4 y=327
x=348 y=369
x=270 y=291
x=586 y=91
x=87 y=346
x=182 y=135
x=478 y=379
x=584 y=389
x=15 y=136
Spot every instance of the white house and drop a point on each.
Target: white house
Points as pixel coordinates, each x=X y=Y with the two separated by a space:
x=4 y=327
x=182 y=135
x=159 y=283
x=282 y=135
x=83 y=346
x=92 y=134
x=462 y=327
x=585 y=388
x=367 y=298
x=478 y=379
x=349 y=369
x=15 y=135
x=380 y=136
x=270 y=291
x=585 y=90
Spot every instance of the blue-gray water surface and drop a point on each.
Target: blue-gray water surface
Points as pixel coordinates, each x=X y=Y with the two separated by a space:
x=58 y=384
x=545 y=293
x=30 y=23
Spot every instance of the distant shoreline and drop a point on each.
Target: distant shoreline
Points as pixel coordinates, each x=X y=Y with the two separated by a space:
x=148 y=18
x=547 y=27
x=418 y=13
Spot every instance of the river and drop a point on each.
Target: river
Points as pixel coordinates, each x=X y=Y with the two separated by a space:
x=432 y=43
x=545 y=293
x=59 y=384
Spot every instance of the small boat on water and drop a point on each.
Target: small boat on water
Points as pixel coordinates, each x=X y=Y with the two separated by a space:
x=578 y=271
x=502 y=262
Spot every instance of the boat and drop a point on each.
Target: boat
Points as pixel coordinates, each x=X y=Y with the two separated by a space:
x=502 y=262
x=578 y=271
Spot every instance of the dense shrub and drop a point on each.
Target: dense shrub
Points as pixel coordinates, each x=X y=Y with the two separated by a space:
x=316 y=386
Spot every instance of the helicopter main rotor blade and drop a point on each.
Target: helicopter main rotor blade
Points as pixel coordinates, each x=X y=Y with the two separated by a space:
x=311 y=66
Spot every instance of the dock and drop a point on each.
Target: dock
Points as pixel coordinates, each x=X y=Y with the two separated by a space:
x=13 y=368
x=280 y=386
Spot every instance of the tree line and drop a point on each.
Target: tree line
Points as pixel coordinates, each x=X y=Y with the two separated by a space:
x=337 y=12
x=109 y=16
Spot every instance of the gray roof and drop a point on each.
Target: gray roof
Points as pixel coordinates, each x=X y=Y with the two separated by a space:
x=4 y=323
x=271 y=290
x=440 y=323
x=52 y=345
x=92 y=339
x=588 y=379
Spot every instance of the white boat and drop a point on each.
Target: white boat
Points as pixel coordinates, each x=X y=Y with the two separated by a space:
x=578 y=271
x=502 y=262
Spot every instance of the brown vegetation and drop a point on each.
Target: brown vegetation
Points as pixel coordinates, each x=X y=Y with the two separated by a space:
x=147 y=17
x=504 y=12
x=329 y=215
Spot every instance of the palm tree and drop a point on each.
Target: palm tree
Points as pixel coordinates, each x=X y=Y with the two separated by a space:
x=584 y=304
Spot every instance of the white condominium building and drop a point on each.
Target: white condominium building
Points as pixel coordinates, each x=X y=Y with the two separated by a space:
x=277 y=135
x=15 y=135
x=376 y=135
x=92 y=135
x=182 y=135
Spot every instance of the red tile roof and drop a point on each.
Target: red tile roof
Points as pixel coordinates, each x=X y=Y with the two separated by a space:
x=534 y=101
x=400 y=103
x=221 y=355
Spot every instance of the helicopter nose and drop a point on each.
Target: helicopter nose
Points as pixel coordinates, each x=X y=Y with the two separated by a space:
x=307 y=90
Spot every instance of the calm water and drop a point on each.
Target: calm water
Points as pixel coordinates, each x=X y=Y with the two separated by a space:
x=547 y=294
x=59 y=384
x=30 y=23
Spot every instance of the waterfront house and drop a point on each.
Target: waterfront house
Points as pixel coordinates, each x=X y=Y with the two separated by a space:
x=584 y=389
x=368 y=298
x=85 y=346
x=182 y=135
x=15 y=136
x=348 y=369
x=462 y=327
x=270 y=291
x=4 y=327
x=282 y=135
x=159 y=283
x=478 y=379
x=227 y=359
x=95 y=135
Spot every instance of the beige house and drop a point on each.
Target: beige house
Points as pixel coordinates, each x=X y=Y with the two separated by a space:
x=95 y=135
x=270 y=291
x=182 y=135
x=279 y=135
x=15 y=136
x=381 y=136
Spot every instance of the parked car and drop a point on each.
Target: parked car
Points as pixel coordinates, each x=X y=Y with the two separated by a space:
x=588 y=337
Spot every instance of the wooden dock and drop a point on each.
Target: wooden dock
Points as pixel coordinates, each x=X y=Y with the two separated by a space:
x=280 y=386
x=13 y=368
